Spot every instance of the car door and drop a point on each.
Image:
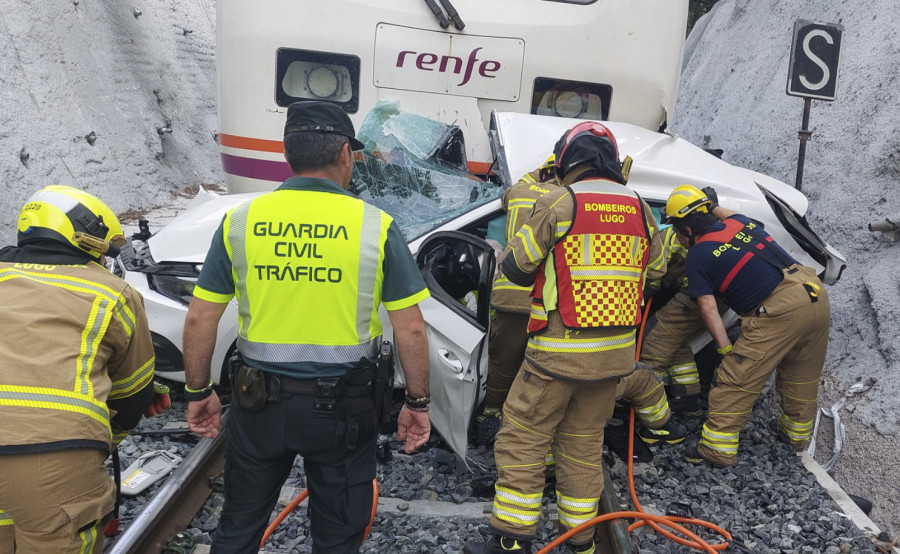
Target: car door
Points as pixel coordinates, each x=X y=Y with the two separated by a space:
x=459 y=270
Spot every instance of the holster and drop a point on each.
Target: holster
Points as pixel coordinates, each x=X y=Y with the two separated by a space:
x=382 y=392
x=248 y=385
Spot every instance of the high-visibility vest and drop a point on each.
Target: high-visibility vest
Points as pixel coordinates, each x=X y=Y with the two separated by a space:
x=308 y=268
x=596 y=277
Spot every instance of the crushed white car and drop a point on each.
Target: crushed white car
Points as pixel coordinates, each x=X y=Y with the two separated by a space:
x=449 y=216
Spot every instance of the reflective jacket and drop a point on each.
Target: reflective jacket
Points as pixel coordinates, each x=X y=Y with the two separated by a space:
x=597 y=275
x=518 y=202
x=72 y=339
x=275 y=243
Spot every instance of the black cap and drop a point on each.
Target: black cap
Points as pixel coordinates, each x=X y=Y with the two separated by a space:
x=325 y=117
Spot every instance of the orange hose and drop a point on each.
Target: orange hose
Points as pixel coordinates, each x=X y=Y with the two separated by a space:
x=300 y=498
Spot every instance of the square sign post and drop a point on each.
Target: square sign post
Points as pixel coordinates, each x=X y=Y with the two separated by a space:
x=813 y=72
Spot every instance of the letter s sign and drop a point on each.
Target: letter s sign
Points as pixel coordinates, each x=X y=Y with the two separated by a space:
x=815 y=58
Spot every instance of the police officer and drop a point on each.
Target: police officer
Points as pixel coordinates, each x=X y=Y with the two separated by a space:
x=309 y=265
x=511 y=303
x=784 y=322
x=586 y=248
x=76 y=371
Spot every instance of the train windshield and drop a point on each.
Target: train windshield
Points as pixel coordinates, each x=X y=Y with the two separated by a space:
x=415 y=169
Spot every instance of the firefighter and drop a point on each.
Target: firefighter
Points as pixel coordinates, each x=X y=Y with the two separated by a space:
x=665 y=348
x=510 y=302
x=310 y=265
x=586 y=248
x=76 y=372
x=784 y=312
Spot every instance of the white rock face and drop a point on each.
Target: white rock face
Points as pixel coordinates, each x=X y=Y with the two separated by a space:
x=732 y=96
x=139 y=76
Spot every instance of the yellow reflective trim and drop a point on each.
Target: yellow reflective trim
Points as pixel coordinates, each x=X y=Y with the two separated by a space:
x=88 y=538
x=91 y=337
x=656 y=412
x=5 y=519
x=135 y=382
x=686 y=379
x=528 y=178
x=562 y=227
x=718 y=435
x=573 y=520
x=573 y=503
x=515 y=517
x=517 y=498
x=579 y=345
x=125 y=316
x=520 y=204
x=54 y=399
x=532 y=249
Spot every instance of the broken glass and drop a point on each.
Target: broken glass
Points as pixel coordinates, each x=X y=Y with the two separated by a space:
x=415 y=169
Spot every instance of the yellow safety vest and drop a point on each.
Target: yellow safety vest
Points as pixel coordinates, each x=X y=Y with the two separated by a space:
x=307 y=268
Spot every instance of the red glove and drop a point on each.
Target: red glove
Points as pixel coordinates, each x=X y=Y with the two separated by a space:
x=160 y=400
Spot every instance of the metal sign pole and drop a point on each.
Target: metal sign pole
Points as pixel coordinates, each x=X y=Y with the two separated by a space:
x=805 y=134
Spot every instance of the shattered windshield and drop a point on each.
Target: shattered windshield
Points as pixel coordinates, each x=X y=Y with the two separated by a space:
x=415 y=169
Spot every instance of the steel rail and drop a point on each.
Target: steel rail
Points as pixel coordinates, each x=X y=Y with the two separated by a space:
x=173 y=507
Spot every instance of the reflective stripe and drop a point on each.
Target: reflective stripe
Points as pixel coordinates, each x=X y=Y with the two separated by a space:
x=520 y=204
x=97 y=323
x=5 y=519
x=133 y=383
x=503 y=283
x=629 y=274
x=369 y=258
x=796 y=431
x=726 y=443
x=575 y=511
x=516 y=498
x=325 y=353
x=531 y=246
x=54 y=399
x=654 y=413
x=236 y=242
x=546 y=344
x=516 y=517
x=125 y=315
x=88 y=538
x=562 y=227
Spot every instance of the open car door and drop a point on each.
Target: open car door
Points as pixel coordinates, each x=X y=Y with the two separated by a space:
x=459 y=270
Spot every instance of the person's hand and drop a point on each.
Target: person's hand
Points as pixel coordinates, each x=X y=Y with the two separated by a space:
x=160 y=400
x=713 y=197
x=414 y=427
x=205 y=416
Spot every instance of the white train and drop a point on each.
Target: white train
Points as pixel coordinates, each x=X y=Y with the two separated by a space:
x=587 y=59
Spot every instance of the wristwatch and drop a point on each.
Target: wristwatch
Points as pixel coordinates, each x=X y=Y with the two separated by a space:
x=195 y=395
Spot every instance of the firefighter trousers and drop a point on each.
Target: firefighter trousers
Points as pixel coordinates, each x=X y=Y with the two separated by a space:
x=506 y=350
x=645 y=392
x=543 y=412
x=665 y=348
x=790 y=333
x=54 y=501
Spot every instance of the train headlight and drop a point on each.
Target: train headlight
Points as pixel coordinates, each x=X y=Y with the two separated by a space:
x=311 y=75
x=574 y=99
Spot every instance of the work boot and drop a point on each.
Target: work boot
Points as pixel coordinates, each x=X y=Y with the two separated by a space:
x=487 y=425
x=693 y=455
x=498 y=544
x=670 y=433
x=686 y=406
x=585 y=548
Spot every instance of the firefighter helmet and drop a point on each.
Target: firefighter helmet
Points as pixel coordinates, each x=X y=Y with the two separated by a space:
x=73 y=217
x=586 y=142
x=685 y=200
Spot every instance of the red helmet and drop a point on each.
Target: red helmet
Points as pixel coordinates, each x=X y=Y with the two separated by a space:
x=586 y=142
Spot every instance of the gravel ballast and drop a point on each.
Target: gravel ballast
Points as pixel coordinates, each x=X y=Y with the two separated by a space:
x=769 y=501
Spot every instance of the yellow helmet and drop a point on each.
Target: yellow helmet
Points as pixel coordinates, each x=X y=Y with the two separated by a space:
x=684 y=200
x=71 y=216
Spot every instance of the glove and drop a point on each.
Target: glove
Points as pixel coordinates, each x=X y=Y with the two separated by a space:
x=713 y=197
x=160 y=400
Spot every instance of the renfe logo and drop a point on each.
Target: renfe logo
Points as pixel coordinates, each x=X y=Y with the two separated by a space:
x=425 y=62
x=448 y=63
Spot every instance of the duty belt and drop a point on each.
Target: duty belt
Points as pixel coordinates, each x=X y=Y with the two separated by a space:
x=329 y=387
